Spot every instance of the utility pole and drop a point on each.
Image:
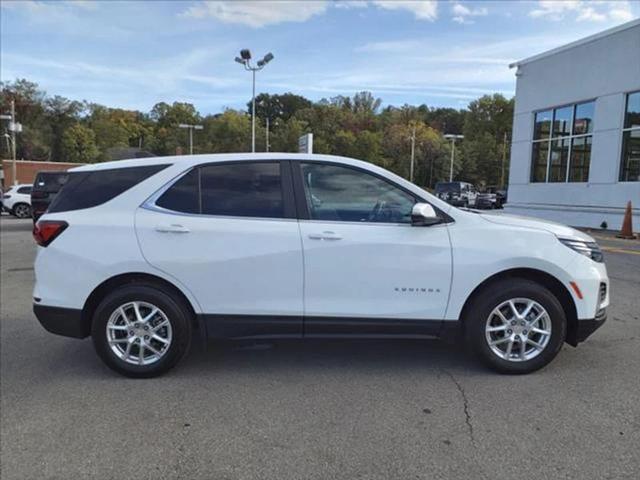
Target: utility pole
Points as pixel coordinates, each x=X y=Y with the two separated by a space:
x=413 y=152
x=267 y=137
x=13 y=126
x=453 y=139
x=504 y=158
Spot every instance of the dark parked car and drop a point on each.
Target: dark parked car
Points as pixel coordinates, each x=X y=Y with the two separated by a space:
x=45 y=187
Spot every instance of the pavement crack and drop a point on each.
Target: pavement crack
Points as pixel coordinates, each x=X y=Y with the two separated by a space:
x=465 y=404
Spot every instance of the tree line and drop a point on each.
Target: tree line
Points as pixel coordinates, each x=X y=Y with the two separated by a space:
x=60 y=129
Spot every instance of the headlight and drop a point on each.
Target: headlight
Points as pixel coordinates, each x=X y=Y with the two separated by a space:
x=588 y=249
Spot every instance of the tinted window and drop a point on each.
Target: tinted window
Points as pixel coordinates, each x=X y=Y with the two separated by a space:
x=539 y=161
x=632 y=116
x=630 y=171
x=447 y=187
x=562 y=120
x=542 y=124
x=93 y=188
x=559 y=160
x=583 y=121
x=50 y=182
x=580 y=159
x=242 y=190
x=26 y=190
x=182 y=196
x=346 y=194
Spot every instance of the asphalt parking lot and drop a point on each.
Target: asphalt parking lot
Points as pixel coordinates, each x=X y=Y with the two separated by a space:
x=306 y=410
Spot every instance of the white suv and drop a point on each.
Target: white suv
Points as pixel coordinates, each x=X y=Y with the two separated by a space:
x=17 y=200
x=139 y=253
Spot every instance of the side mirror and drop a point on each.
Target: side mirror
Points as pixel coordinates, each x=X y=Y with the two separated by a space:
x=423 y=215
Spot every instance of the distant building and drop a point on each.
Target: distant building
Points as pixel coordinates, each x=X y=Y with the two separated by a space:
x=575 y=155
x=26 y=170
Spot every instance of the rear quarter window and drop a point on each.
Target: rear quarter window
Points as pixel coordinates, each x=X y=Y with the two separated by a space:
x=95 y=187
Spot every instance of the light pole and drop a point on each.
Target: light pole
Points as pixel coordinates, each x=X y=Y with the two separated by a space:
x=453 y=138
x=191 y=129
x=413 y=152
x=245 y=59
x=14 y=127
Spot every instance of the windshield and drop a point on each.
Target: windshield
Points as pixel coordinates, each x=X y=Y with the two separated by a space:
x=445 y=187
x=50 y=182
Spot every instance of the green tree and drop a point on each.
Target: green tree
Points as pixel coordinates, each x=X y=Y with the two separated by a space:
x=61 y=114
x=487 y=128
x=79 y=144
x=278 y=107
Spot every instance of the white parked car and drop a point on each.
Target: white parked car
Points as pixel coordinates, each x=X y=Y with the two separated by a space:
x=139 y=253
x=17 y=200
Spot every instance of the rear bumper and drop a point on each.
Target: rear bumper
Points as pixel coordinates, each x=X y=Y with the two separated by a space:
x=61 y=321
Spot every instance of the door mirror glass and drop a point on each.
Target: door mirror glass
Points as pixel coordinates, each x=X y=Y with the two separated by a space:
x=423 y=215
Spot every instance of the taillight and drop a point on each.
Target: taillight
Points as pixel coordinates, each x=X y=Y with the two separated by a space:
x=36 y=194
x=46 y=231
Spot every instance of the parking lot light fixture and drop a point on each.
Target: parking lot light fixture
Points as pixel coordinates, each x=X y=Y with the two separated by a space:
x=453 y=138
x=191 y=129
x=245 y=59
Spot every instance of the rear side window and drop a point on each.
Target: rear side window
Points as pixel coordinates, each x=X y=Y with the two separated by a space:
x=183 y=196
x=26 y=190
x=233 y=189
x=93 y=188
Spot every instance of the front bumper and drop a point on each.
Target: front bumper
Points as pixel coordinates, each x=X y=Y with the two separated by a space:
x=67 y=322
x=585 y=328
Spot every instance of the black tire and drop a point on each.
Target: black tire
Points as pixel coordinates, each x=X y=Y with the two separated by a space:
x=489 y=298
x=177 y=314
x=21 y=210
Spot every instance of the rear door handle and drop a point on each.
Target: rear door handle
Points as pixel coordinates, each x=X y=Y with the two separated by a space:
x=173 y=228
x=325 y=236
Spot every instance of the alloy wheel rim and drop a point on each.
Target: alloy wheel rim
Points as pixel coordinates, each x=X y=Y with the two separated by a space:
x=139 y=333
x=22 y=211
x=518 y=330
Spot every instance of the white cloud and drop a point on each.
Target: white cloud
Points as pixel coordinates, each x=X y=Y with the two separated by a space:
x=421 y=9
x=40 y=7
x=462 y=13
x=583 y=10
x=257 y=14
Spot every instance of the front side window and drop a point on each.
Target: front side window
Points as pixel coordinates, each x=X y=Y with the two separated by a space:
x=630 y=163
x=231 y=189
x=562 y=144
x=338 y=193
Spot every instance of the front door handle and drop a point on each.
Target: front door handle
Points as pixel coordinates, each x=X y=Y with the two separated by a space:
x=173 y=228
x=325 y=236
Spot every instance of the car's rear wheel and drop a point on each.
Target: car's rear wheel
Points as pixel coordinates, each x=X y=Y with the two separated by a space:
x=21 y=210
x=516 y=326
x=141 y=331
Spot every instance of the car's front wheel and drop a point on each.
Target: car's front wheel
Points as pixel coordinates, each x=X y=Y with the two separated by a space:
x=141 y=331
x=21 y=210
x=516 y=326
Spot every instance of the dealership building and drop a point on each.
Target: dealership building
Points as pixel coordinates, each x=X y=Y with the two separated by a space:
x=575 y=154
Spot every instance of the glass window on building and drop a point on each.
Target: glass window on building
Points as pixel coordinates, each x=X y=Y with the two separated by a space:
x=630 y=163
x=562 y=143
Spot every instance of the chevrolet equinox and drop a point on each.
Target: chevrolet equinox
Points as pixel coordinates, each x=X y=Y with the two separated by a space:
x=139 y=253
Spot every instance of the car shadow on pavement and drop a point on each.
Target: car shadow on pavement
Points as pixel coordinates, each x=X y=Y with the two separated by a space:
x=357 y=356
x=282 y=358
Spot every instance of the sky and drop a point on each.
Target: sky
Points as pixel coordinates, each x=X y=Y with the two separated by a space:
x=133 y=54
